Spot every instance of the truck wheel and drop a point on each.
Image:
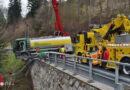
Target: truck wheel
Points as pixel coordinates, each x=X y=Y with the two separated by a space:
x=126 y=69
x=25 y=56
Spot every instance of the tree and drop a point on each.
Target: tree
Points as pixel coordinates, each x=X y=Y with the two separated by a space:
x=2 y=24
x=33 y=5
x=14 y=11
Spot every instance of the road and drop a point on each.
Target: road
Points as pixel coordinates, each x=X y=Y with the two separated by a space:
x=122 y=76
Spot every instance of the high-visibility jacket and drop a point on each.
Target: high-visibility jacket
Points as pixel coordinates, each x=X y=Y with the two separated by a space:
x=94 y=55
x=105 y=55
x=99 y=54
x=62 y=50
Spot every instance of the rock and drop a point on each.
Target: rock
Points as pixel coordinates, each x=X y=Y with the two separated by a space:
x=74 y=88
x=91 y=88
x=71 y=82
x=76 y=84
x=70 y=88
x=68 y=77
x=64 y=87
x=80 y=88
x=65 y=80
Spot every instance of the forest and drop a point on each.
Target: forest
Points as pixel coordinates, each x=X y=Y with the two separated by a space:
x=76 y=15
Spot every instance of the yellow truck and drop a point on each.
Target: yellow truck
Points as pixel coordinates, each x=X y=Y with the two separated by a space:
x=114 y=35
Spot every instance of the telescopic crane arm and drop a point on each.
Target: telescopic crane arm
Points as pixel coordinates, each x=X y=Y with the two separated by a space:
x=120 y=24
x=58 y=24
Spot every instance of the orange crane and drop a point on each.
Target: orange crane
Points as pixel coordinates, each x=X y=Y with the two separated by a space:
x=58 y=24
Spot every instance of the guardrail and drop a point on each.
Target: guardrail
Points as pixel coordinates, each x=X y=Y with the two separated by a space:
x=107 y=77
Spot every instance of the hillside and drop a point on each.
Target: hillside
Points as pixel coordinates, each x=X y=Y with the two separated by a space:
x=76 y=16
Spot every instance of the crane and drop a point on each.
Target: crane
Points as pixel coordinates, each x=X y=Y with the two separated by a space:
x=117 y=26
x=58 y=24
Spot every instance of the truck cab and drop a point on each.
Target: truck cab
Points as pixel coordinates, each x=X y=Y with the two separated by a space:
x=83 y=41
x=20 y=46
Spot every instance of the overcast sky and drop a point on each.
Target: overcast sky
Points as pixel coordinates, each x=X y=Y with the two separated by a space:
x=23 y=2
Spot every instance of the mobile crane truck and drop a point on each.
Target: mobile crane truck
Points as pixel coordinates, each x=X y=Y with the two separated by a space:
x=115 y=36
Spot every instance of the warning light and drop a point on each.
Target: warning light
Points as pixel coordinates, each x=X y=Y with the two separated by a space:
x=1 y=82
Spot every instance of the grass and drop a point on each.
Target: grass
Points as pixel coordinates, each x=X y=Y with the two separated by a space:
x=10 y=64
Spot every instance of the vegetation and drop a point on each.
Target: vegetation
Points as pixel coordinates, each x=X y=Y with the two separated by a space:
x=2 y=45
x=10 y=64
x=2 y=42
x=33 y=6
x=14 y=11
x=79 y=13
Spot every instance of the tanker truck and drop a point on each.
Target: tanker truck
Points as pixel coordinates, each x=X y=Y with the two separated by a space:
x=24 y=47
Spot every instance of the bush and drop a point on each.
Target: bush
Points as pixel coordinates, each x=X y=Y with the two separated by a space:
x=10 y=64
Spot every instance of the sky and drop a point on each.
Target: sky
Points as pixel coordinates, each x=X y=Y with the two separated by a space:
x=5 y=4
x=24 y=3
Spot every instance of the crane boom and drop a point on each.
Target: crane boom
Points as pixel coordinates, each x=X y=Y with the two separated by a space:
x=119 y=25
x=58 y=24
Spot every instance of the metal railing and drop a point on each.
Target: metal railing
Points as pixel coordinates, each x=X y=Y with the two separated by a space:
x=113 y=79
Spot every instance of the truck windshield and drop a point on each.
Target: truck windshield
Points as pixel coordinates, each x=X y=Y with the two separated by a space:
x=19 y=45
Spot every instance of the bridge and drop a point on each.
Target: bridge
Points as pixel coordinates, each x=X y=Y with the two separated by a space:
x=95 y=78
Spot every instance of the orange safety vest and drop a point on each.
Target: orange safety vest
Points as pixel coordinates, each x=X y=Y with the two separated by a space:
x=37 y=50
x=99 y=53
x=94 y=55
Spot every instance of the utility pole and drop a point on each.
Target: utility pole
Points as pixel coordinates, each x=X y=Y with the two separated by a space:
x=100 y=3
x=27 y=31
x=89 y=21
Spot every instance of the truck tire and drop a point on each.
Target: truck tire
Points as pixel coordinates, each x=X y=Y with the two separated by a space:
x=25 y=56
x=126 y=69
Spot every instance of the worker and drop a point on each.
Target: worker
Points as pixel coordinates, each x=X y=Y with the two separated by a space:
x=58 y=48
x=105 y=56
x=98 y=52
x=37 y=50
x=93 y=54
x=62 y=50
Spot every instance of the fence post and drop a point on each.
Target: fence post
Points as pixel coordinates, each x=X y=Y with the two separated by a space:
x=90 y=71
x=49 y=58
x=119 y=86
x=117 y=74
x=75 y=64
x=64 y=59
x=55 y=60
